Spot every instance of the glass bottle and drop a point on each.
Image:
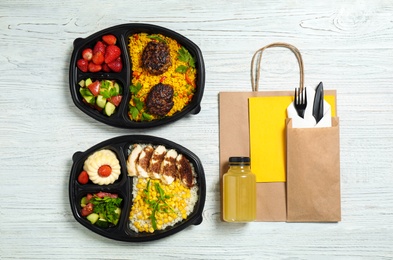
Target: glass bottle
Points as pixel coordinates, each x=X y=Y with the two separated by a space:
x=239 y=191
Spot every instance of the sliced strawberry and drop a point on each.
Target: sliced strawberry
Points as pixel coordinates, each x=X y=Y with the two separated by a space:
x=87 y=54
x=112 y=52
x=106 y=68
x=95 y=88
x=83 y=65
x=98 y=58
x=115 y=100
x=94 y=67
x=116 y=66
x=109 y=39
x=100 y=46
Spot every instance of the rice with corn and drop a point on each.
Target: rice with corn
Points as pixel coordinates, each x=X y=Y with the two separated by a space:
x=178 y=204
x=181 y=75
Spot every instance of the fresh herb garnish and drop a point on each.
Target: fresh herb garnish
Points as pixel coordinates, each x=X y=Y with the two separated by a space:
x=157 y=205
x=134 y=89
x=185 y=56
x=156 y=37
x=107 y=208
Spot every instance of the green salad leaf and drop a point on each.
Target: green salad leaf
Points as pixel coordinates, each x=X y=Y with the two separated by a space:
x=107 y=207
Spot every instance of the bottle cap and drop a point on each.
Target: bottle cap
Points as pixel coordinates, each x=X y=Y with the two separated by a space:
x=239 y=160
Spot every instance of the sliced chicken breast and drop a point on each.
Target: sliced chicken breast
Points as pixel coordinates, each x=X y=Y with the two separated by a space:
x=185 y=170
x=133 y=159
x=156 y=161
x=168 y=167
x=144 y=161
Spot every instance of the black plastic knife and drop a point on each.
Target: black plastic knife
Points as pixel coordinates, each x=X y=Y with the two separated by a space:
x=317 y=110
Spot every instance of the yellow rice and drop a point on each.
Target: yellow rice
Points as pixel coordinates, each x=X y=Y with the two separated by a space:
x=183 y=90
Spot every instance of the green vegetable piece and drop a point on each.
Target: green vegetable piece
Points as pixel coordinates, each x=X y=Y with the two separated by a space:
x=88 y=82
x=101 y=101
x=181 y=69
x=138 y=103
x=81 y=83
x=93 y=217
x=134 y=112
x=156 y=37
x=83 y=202
x=146 y=117
x=109 y=109
x=102 y=223
x=134 y=89
x=107 y=208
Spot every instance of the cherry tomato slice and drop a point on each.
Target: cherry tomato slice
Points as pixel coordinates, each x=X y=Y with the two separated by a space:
x=95 y=88
x=104 y=170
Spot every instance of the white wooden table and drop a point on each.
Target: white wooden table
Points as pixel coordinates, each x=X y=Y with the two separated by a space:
x=348 y=46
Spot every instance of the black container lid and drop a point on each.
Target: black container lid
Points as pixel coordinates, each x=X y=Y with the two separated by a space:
x=239 y=160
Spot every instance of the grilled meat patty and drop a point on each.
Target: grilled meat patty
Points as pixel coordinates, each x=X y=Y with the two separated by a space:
x=156 y=58
x=160 y=99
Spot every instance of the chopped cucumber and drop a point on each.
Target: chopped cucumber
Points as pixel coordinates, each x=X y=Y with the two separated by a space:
x=83 y=202
x=118 y=212
x=88 y=82
x=81 y=83
x=109 y=109
x=117 y=87
x=101 y=222
x=93 y=218
x=90 y=99
x=101 y=101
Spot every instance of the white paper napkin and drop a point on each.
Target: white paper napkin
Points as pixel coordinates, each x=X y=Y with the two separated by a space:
x=309 y=121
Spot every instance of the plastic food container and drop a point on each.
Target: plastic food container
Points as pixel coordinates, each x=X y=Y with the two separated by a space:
x=124 y=78
x=124 y=185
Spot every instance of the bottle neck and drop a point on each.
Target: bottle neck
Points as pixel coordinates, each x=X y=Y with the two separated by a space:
x=241 y=167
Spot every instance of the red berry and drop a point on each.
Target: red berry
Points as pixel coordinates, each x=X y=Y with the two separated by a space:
x=83 y=177
x=87 y=54
x=98 y=58
x=109 y=39
x=82 y=64
x=106 y=68
x=94 y=67
x=100 y=46
x=116 y=65
x=112 y=52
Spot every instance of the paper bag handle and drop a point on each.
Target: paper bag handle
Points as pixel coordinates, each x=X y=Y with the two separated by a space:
x=257 y=58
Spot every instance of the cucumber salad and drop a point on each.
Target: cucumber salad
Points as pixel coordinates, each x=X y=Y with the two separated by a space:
x=101 y=209
x=103 y=95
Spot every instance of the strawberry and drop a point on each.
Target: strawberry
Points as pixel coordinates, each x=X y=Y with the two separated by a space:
x=100 y=46
x=109 y=39
x=82 y=64
x=98 y=58
x=116 y=65
x=87 y=54
x=94 y=67
x=106 y=68
x=112 y=53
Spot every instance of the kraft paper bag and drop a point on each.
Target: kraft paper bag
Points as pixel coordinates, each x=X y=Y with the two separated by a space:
x=313 y=173
x=235 y=136
x=234 y=141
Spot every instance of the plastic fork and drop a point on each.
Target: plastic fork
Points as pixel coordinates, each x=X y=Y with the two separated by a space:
x=300 y=101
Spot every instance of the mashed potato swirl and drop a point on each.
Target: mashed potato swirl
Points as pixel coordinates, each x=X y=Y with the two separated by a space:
x=98 y=159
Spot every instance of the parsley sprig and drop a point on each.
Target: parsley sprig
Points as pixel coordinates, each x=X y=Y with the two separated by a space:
x=107 y=207
x=157 y=205
x=138 y=106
